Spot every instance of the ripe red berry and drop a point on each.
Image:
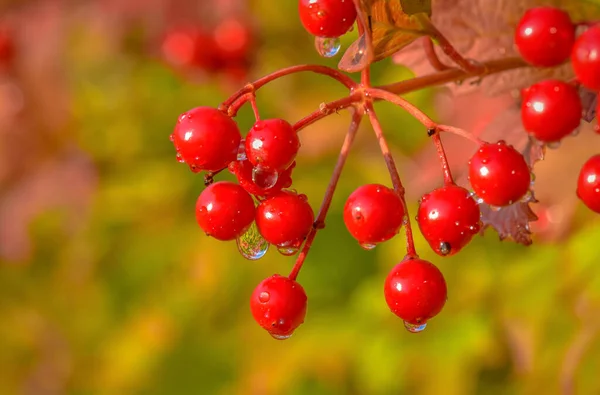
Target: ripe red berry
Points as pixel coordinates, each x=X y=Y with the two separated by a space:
x=285 y=219
x=243 y=171
x=7 y=46
x=545 y=36
x=278 y=304
x=585 y=58
x=234 y=40
x=499 y=174
x=224 y=210
x=190 y=47
x=272 y=144
x=588 y=184
x=415 y=290
x=551 y=110
x=327 y=18
x=373 y=214
x=206 y=139
x=448 y=218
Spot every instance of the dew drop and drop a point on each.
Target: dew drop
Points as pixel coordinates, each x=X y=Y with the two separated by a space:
x=445 y=248
x=367 y=246
x=288 y=250
x=263 y=178
x=553 y=145
x=527 y=197
x=264 y=297
x=241 y=155
x=180 y=158
x=172 y=137
x=496 y=208
x=280 y=337
x=327 y=46
x=414 y=328
x=251 y=244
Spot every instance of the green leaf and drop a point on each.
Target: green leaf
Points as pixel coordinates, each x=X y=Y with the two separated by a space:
x=412 y=7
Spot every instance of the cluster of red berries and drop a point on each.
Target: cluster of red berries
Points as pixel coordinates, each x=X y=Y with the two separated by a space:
x=227 y=48
x=552 y=109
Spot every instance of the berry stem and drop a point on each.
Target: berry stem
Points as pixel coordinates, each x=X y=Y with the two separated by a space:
x=254 y=107
x=396 y=181
x=397 y=100
x=326 y=109
x=432 y=57
x=448 y=180
x=326 y=203
x=459 y=132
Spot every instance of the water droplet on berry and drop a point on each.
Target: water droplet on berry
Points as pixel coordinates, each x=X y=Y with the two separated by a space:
x=527 y=197
x=172 y=137
x=180 y=158
x=241 y=155
x=445 y=248
x=496 y=208
x=288 y=250
x=264 y=178
x=367 y=246
x=280 y=337
x=251 y=244
x=553 y=145
x=264 y=297
x=414 y=328
x=327 y=46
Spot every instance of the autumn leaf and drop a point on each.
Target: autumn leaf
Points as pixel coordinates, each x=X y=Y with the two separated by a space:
x=391 y=30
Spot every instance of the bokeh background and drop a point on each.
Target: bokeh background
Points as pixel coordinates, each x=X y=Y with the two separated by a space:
x=108 y=286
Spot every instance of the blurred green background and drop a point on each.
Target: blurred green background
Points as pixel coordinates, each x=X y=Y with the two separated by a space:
x=108 y=286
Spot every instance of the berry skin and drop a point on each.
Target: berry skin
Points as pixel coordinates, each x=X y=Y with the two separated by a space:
x=373 y=214
x=272 y=144
x=415 y=290
x=224 y=210
x=278 y=304
x=190 y=47
x=545 y=36
x=243 y=172
x=499 y=174
x=551 y=110
x=588 y=184
x=327 y=18
x=448 y=218
x=285 y=219
x=206 y=139
x=585 y=58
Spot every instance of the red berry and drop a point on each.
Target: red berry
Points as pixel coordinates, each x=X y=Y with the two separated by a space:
x=415 y=290
x=551 y=110
x=373 y=213
x=243 y=172
x=206 y=139
x=448 y=218
x=190 y=47
x=285 y=219
x=327 y=18
x=7 y=46
x=234 y=40
x=499 y=174
x=278 y=304
x=224 y=210
x=272 y=144
x=586 y=58
x=545 y=36
x=588 y=184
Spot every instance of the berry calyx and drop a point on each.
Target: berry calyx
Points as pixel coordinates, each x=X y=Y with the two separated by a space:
x=373 y=214
x=415 y=290
x=544 y=36
x=499 y=174
x=206 y=139
x=585 y=58
x=224 y=210
x=448 y=218
x=272 y=144
x=551 y=110
x=278 y=304
x=285 y=219
x=588 y=183
x=327 y=18
x=243 y=171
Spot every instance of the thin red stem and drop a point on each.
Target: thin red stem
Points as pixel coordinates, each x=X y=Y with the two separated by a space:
x=337 y=172
x=254 y=107
x=397 y=100
x=432 y=57
x=448 y=180
x=326 y=109
x=459 y=132
x=396 y=181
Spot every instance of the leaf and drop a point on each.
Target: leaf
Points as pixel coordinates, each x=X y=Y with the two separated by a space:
x=391 y=30
x=510 y=221
x=412 y=7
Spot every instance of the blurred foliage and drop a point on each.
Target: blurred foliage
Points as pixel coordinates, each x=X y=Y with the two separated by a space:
x=136 y=300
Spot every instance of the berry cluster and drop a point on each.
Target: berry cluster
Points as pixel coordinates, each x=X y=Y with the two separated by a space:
x=227 y=48
x=551 y=110
x=260 y=209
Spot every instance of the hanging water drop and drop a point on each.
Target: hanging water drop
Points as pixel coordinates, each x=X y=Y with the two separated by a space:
x=264 y=178
x=414 y=328
x=180 y=158
x=288 y=250
x=251 y=244
x=367 y=246
x=553 y=145
x=445 y=248
x=327 y=46
x=280 y=337
x=241 y=155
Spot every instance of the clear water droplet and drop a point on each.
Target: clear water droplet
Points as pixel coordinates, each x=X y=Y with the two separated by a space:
x=527 y=197
x=180 y=158
x=367 y=246
x=251 y=244
x=172 y=137
x=414 y=328
x=445 y=248
x=241 y=155
x=288 y=250
x=327 y=47
x=264 y=178
x=280 y=337
x=553 y=145
x=264 y=297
